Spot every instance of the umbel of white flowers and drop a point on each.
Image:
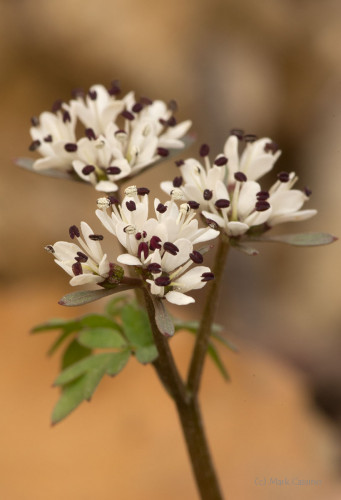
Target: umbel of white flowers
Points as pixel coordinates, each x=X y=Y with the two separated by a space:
x=120 y=136
x=161 y=248
x=227 y=192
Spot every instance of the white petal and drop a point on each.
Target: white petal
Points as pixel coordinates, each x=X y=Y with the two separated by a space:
x=215 y=217
x=192 y=280
x=236 y=228
x=129 y=260
x=106 y=186
x=83 y=279
x=178 y=298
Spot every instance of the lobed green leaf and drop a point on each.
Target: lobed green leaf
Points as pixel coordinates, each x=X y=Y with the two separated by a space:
x=101 y=338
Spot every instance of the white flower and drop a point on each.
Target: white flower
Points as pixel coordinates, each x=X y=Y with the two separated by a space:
x=162 y=245
x=237 y=202
x=121 y=136
x=85 y=261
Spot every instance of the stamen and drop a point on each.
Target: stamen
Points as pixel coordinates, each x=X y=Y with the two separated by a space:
x=204 y=150
x=196 y=257
x=179 y=163
x=176 y=194
x=70 y=147
x=48 y=138
x=207 y=276
x=222 y=203
x=74 y=231
x=184 y=208
x=35 y=121
x=170 y=248
x=142 y=191
x=193 y=204
x=261 y=206
x=81 y=257
x=130 y=229
x=66 y=117
x=283 y=177
x=57 y=105
x=103 y=203
x=162 y=281
x=113 y=200
x=142 y=249
x=90 y=134
x=127 y=115
x=137 y=107
x=154 y=268
x=130 y=191
x=238 y=132
x=162 y=152
x=113 y=170
x=96 y=237
x=77 y=268
x=207 y=194
x=262 y=195
x=161 y=208
x=154 y=243
x=115 y=88
x=146 y=101
x=131 y=205
x=271 y=147
x=49 y=248
x=88 y=169
x=138 y=236
x=240 y=176
x=220 y=161
x=34 y=145
x=250 y=138
x=177 y=181
x=92 y=94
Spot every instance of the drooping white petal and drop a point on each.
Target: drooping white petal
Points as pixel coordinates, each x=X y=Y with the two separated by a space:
x=129 y=260
x=178 y=298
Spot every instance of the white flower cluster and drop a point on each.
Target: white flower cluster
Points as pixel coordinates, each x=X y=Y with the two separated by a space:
x=121 y=136
x=226 y=192
x=162 y=247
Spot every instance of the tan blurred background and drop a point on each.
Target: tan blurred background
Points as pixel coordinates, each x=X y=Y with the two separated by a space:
x=272 y=67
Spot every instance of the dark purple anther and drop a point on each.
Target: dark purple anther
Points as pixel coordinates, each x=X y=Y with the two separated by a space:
x=34 y=145
x=88 y=169
x=154 y=243
x=113 y=170
x=90 y=134
x=179 y=163
x=170 y=248
x=81 y=257
x=193 y=204
x=283 y=177
x=154 y=268
x=137 y=107
x=222 y=203
x=307 y=191
x=66 y=117
x=35 y=121
x=196 y=257
x=74 y=231
x=207 y=194
x=113 y=200
x=262 y=195
x=142 y=249
x=207 y=276
x=261 y=206
x=70 y=147
x=115 y=88
x=57 y=105
x=161 y=208
x=48 y=138
x=250 y=138
x=171 y=122
x=238 y=132
x=204 y=150
x=77 y=268
x=127 y=115
x=92 y=94
x=221 y=161
x=78 y=92
x=177 y=181
x=131 y=205
x=240 y=177
x=162 y=152
x=271 y=147
x=142 y=191
x=162 y=281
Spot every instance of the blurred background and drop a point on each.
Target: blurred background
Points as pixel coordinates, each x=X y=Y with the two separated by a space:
x=271 y=67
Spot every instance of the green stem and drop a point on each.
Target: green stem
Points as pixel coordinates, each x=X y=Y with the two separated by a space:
x=204 y=332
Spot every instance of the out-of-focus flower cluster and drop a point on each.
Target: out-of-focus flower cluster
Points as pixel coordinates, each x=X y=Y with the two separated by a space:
x=102 y=139
x=161 y=248
x=227 y=192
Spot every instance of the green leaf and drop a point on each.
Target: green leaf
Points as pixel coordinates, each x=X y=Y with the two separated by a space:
x=86 y=296
x=114 y=307
x=192 y=327
x=56 y=324
x=113 y=363
x=136 y=326
x=301 y=239
x=57 y=343
x=73 y=353
x=215 y=356
x=98 y=320
x=146 y=354
x=101 y=338
x=72 y=396
x=163 y=319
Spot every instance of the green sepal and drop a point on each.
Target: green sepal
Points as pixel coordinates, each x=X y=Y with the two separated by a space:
x=300 y=239
x=163 y=319
x=82 y=297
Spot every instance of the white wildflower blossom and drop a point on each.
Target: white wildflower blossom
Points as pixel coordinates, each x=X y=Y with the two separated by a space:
x=162 y=246
x=84 y=261
x=227 y=194
x=121 y=136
